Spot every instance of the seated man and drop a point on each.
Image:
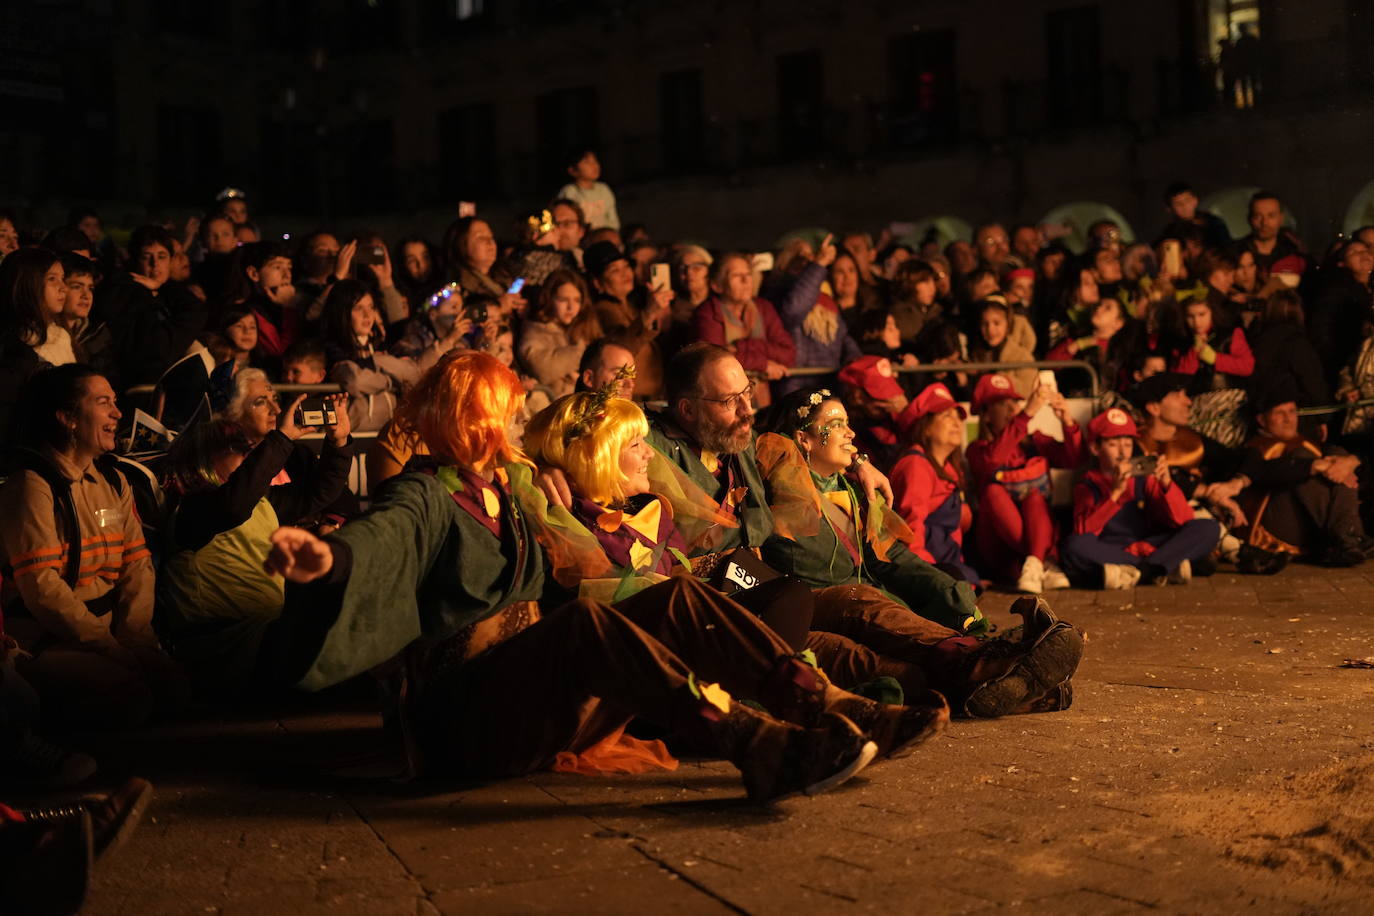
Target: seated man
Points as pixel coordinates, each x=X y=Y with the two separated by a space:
x=1302 y=498
x=78 y=577
x=1206 y=471
x=707 y=433
x=602 y=363
x=1131 y=522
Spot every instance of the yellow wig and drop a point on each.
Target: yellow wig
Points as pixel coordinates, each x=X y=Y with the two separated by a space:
x=582 y=435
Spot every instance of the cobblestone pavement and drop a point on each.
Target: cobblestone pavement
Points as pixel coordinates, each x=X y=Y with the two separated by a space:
x=1216 y=758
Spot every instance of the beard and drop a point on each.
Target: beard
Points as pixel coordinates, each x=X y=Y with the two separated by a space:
x=725 y=438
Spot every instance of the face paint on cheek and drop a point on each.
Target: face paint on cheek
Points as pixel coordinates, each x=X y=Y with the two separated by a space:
x=825 y=436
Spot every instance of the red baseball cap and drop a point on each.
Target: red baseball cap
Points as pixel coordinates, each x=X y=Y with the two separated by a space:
x=1292 y=264
x=992 y=388
x=934 y=398
x=875 y=375
x=1111 y=423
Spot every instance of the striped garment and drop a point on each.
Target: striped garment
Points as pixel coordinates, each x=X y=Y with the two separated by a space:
x=115 y=572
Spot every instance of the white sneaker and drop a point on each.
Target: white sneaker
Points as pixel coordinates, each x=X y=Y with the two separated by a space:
x=1119 y=576
x=1032 y=575
x=1183 y=575
x=1054 y=577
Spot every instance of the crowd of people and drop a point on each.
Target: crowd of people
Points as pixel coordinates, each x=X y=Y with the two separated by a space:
x=585 y=499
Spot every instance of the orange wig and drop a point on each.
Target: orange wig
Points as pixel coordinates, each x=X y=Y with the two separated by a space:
x=462 y=409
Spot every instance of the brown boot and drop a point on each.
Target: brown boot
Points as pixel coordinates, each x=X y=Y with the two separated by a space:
x=801 y=693
x=1028 y=675
x=777 y=759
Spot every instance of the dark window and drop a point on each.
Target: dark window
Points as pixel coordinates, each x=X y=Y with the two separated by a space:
x=282 y=25
x=801 y=103
x=290 y=175
x=680 y=119
x=1359 y=17
x=366 y=150
x=1073 y=45
x=923 y=89
x=361 y=25
x=567 y=125
x=467 y=153
x=203 y=20
x=188 y=153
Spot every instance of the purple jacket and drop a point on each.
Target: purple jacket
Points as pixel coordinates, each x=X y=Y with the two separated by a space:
x=793 y=305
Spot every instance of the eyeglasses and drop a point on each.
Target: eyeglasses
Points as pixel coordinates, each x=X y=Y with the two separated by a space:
x=735 y=401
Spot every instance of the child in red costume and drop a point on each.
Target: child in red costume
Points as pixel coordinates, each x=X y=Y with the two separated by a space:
x=1132 y=523
x=928 y=483
x=1010 y=467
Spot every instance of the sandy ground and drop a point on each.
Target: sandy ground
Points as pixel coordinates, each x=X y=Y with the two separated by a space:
x=1217 y=758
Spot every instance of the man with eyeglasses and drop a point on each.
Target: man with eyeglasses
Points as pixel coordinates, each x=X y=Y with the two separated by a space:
x=708 y=433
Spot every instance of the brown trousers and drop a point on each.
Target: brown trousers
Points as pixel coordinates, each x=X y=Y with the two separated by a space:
x=585 y=669
x=78 y=688
x=1314 y=515
x=859 y=633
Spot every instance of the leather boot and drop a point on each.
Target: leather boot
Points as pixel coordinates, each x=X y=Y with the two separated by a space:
x=1030 y=674
x=800 y=692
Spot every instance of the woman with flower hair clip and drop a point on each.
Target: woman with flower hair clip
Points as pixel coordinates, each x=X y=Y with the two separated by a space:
x=892 y=601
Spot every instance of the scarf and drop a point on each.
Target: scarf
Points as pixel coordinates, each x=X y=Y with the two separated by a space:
x=748 y=326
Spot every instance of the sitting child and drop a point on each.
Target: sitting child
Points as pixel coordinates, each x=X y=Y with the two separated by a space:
x=1010 y=467
x=1132 y=523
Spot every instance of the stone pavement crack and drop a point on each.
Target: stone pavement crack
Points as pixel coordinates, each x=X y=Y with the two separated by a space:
x=639 y=847
x=663 y=864
x=427 y=894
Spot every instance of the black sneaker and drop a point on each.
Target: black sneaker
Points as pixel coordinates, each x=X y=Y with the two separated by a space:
x=37 y=761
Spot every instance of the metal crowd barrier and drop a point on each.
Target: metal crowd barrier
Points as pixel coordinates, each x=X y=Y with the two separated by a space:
x=928 y=368
x=280 y=388
x=1333 y=408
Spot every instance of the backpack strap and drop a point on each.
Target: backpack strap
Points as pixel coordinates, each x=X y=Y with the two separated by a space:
x=63 y=507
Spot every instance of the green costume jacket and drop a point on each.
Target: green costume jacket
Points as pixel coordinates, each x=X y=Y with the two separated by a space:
x=750 y=507
x=808 y=546
x=421 y=565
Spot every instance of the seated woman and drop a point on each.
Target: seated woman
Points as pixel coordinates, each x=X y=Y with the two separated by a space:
x=997 y=346
x=441 y=324
x=928 y=483
x=237 y=333
x=1217 y=357
x=214 y=598
x=1109 y=341
x=373 y=378
x=828 y=533
x=1010 y=467
x=552 y=341
x=78 y=576
x=493 y=685
x=744 y=324
x=251 y=405
x=33 y=293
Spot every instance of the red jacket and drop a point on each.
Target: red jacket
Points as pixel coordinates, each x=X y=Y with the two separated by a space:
x=753 y=353
x=1006 y=452
x=1093 y=506
x=1236 y=359
x=917 y=491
